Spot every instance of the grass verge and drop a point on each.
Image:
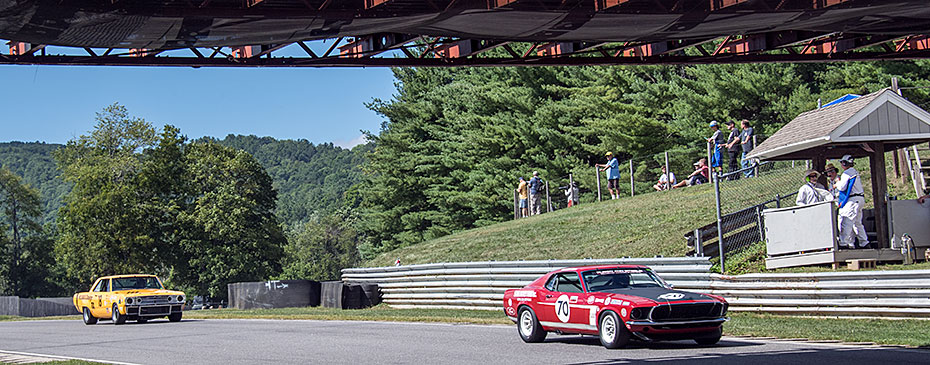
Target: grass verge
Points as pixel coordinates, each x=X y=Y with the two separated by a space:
x=378 y=313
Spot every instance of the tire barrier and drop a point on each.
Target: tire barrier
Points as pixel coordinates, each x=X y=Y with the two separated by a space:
x=481 y=285
x=336 y=294
x=274 y=294
x=42 y=307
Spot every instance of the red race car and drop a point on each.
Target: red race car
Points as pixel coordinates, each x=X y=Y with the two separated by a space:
x=616 y=303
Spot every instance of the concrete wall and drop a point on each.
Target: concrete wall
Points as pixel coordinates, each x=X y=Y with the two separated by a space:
x=43 y=307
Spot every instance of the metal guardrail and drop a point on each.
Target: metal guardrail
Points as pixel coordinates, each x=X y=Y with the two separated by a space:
x=481 y=285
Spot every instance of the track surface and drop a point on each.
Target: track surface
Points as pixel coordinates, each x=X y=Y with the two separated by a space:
x=281 y=341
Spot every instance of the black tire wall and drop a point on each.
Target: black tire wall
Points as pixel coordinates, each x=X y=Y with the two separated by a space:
x=274 y=294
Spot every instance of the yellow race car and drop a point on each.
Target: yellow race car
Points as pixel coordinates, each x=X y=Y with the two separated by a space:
x=129 y=297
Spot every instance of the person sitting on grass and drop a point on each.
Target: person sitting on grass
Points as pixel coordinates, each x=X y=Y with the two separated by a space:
x=699 y=176
x=665 y=181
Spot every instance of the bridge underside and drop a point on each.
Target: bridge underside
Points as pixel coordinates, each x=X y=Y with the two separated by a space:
x=460 y=32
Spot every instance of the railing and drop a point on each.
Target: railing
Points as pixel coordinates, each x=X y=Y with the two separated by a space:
x=480 y=285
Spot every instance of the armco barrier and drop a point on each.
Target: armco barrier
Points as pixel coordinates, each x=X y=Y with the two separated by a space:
x=481 y=285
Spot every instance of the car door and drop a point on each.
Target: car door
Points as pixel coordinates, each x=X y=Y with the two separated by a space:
x=100 y=298
x=567 y=309
x=545 y=308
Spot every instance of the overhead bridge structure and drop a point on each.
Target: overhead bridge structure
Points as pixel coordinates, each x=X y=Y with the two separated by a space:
x=459 y=32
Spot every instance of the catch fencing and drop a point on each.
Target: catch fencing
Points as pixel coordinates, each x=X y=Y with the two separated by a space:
x=481 y=285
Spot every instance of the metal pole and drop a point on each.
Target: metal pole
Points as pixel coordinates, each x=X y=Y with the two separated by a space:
x=516 y=204
x=597 y=175
x=632 y=183
x=668 y=174
x=698 y=243
x=777 y=200
x=755 y=170
x=759 y=223
x=716 y=177
x=710 y=163
x=548 y=202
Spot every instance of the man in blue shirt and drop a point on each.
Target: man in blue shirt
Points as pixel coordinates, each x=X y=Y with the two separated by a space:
x=613 y=175
x=536 y=190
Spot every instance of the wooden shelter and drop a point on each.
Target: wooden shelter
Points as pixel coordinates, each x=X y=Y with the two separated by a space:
x=866 y=126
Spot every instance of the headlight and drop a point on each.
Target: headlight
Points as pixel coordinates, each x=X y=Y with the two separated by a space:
x=180 y=299
x=128 y=300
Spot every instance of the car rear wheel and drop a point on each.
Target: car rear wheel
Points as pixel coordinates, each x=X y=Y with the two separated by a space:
x=612 y=332
x=88 y=318
x=529 y=327
x=117 y=317
x=175 y=317
x=711 y=338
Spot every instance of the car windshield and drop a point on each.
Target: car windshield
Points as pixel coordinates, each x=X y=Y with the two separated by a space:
x=613 y=279
x=138 y=282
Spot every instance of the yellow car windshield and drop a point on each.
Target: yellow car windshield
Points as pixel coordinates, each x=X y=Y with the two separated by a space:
x=141 y=282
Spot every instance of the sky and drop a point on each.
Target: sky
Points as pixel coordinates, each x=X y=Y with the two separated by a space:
x=57 y=103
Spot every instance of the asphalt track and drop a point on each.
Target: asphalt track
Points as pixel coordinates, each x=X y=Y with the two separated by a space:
x=337 y=342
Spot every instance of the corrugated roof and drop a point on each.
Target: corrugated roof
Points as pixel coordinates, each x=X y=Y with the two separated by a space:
x=814 y=125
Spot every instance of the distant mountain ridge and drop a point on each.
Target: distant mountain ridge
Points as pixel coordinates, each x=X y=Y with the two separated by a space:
x=310 y=178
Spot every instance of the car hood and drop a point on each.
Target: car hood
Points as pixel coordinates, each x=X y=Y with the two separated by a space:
x=147 y=292
x=655 y=295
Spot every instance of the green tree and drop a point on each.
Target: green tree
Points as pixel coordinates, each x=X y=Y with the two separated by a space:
x=26 y=260
x=320 y=248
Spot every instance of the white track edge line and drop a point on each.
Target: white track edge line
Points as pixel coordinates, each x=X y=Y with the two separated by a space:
x=65 y=357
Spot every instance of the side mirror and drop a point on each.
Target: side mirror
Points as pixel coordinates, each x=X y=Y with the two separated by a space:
x=670 y=286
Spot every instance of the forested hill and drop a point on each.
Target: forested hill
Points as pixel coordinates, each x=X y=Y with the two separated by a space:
x=34 y=162
x=309 y=178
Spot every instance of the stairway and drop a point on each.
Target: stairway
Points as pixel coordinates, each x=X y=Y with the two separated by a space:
x=918 y=162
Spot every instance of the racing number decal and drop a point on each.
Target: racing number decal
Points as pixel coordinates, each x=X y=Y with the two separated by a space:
x=562 y=310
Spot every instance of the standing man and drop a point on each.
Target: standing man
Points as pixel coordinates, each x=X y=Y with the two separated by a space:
x=733 y=148
x=851 y=199
x=521 y=190
x=716 y=143
x=613 y=175
x=746 y=140
x=536 y=187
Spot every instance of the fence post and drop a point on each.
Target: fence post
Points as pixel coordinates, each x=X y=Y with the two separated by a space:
x=632 y=183
x=755 y=170
x=548 y=202
x=668 y=174
x=597 y=175
x=716 y=177
x=777 y=200
x=710 y=164
x=516 y=205
x=698 y=243
x=759 y=223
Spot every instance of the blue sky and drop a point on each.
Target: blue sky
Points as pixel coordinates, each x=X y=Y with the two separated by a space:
x=56 y=103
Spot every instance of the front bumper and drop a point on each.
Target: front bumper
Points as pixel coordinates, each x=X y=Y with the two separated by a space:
x=160 y=310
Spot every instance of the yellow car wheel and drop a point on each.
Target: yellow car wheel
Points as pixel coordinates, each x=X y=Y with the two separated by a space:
x=88 y=318
x=117 y=317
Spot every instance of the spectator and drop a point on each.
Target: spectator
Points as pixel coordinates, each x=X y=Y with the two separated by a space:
x=716 y=143
x=572 y=193
x=613 y=175
x=522 y=191
x=851 y=198
x=747 y=141
x=665 y=181
x=812 y=192
x=832 y=177
x=733 y=149
x=698 y=177
x=536 y=190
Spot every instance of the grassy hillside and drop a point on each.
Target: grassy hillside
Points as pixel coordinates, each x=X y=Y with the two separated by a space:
x=641 y=226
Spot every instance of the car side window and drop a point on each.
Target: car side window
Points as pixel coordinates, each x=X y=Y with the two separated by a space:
x=101 y=286
x=551 y=284
x=569 y=283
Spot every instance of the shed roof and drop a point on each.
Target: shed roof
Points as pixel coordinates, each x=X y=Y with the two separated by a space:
x=882 y=116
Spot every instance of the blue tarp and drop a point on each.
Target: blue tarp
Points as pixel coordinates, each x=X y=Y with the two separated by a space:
x=843 y=98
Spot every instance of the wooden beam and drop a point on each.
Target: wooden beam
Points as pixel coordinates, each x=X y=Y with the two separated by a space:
x=879 y=190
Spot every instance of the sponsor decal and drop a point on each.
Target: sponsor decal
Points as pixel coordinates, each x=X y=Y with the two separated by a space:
x=524 y=294
x=592 y=316
x=590 y=300
x=671 y=296
x=573 y=299
x=524 y=299
x=511 y=311
x=510 y=302
x=623 y=312
x=562 y=308
x=601 y=300
x=610 y=272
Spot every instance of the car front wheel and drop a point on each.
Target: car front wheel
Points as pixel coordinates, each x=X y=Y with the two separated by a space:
x=529 y=327
x=117 y=317
x=612 y=332
x=175 y=317
x=711 y=338
x=89 y=318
